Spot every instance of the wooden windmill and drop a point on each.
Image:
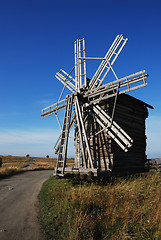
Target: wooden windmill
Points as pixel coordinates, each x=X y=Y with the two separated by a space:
x=87 y=108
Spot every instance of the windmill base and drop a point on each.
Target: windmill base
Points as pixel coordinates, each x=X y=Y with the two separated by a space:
x=88 y=171
x=76 y=170
x=82 y=172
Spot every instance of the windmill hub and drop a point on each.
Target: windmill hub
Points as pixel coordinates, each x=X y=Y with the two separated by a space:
x=91 y=107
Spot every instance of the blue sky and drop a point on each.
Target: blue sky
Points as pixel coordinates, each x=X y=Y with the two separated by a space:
x=37 y=41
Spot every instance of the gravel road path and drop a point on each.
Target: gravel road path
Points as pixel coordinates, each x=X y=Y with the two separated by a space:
x=19 y=205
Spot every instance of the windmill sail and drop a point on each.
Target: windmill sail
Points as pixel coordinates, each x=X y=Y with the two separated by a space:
x=108 y=61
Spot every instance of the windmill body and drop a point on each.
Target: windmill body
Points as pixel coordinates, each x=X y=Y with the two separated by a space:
x=93 y=108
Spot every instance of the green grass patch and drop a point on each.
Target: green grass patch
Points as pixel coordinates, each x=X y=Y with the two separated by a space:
x=123 y=209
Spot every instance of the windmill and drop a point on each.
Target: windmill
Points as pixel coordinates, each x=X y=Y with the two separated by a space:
x=84 y=102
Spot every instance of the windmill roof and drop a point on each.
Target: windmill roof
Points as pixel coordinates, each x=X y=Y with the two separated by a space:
x=125 y=96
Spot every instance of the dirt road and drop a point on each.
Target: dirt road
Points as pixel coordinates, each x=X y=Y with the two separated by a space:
x=19 y=206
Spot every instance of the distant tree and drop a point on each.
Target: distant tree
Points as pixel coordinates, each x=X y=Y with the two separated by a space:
x=27 y=155
x=0 y=162
x=47 y=156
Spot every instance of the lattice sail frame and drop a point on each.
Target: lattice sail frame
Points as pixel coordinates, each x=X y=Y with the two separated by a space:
x=86 y=96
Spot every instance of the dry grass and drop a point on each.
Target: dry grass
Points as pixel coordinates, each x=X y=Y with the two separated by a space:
x=15 y=164
x=123 y=209
x=8 y=171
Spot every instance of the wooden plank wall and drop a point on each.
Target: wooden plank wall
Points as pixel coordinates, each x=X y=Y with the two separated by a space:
x=130 y=114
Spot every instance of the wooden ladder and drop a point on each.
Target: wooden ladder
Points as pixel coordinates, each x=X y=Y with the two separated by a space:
x=62 y=154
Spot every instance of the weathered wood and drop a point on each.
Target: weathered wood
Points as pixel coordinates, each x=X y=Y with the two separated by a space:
x=130 y=114
x=0 y=162
x=109 y=124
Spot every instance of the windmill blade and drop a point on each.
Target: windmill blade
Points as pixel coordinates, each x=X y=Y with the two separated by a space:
x=66 y=79
x=114 y=130
x=108 y=61
x=80 y=63
x=82 y=131
x=54 y=108
x=109 y=90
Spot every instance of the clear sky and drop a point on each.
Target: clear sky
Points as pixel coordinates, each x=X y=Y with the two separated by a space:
x=36 y=41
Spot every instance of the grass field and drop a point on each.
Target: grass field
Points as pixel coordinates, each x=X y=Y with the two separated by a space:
x=13 y=164
x=123 y=208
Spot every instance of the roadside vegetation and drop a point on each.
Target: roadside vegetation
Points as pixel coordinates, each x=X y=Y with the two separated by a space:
x=123 y=208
